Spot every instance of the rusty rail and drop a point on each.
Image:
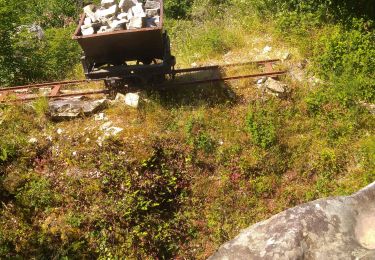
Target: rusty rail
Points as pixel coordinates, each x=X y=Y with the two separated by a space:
x=56 y=86
x=215 y=67
x=42 y=85
x=57 y=96
x=197 y=82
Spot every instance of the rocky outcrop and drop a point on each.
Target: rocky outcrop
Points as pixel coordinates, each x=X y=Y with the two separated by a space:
x=333 y=228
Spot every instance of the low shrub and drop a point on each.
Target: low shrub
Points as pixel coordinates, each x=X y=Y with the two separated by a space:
x=262 y=125
x=344 y=59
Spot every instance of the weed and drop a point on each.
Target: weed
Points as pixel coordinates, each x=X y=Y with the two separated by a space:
x=261 y=124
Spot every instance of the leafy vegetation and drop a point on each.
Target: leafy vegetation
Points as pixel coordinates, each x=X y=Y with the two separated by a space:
x=192 y=166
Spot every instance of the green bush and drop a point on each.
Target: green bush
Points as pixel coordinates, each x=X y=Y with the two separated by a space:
x=36 y=194
x=261 y=124
x=325 y=9
x=345 y=59
x=177 y=8
x=25 y=57
x=198 y=137
x=368 y=159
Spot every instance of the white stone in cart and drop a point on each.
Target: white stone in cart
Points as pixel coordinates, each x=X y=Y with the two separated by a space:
x=122 y=16
x=152 y=12
x=125 y=5
x=119 y=24
x=89 y=11
x=138 y=10
x=107 y=21
x=136 y=23
x=85 y=26
x=87 y=21
x=130 y=14
x=106 y=13
x=152 y=5
x=105 y=29
x=88 y=31
x=108 y=3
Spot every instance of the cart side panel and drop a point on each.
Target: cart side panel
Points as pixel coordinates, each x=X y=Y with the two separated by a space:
x=132 y=45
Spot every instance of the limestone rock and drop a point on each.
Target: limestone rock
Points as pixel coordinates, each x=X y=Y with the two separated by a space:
x=136 y=23
x=138 y=10
x=87 y=21
x=273 y=87
x=106 y=13
x=152 y=4
x=152 y=12
x=87 y=31
x=125 y=5
x=333 y=228
x=72 y=108
x=89 y=11
x=128 y=14
x=130 y=99
x=108 y=3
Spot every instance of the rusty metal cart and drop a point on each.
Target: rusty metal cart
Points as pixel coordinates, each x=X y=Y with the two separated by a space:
x=143 y=55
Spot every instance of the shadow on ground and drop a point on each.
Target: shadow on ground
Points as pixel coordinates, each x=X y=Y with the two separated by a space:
x=207 y=94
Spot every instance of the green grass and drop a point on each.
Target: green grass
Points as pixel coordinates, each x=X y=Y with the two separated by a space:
x=193 y=166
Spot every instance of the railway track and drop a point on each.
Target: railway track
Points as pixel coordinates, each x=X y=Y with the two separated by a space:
x=24 y=93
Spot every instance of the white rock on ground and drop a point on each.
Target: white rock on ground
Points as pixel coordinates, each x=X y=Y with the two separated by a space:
x=130 y=99
x=333 y=228
x=273 y=87
x=71 y=108
x=33 y=140
x=267 y=49
x=100 y=117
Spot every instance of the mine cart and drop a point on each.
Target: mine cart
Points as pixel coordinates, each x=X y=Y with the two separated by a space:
x=126 y=54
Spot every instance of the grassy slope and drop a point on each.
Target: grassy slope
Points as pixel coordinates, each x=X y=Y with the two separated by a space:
x=185 y=174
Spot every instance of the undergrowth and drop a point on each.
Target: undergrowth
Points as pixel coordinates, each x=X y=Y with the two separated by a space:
x=194 y=166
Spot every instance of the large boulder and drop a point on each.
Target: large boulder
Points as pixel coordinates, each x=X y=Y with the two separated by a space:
x=333 y=228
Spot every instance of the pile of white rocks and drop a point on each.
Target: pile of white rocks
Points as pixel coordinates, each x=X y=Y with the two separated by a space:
x=125 y=15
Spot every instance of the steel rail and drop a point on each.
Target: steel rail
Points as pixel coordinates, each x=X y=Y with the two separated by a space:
x=41 y=85
x=57 y=96
x=159 y=86
x=196 y=82
x=213 y=67
x=176 y=71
